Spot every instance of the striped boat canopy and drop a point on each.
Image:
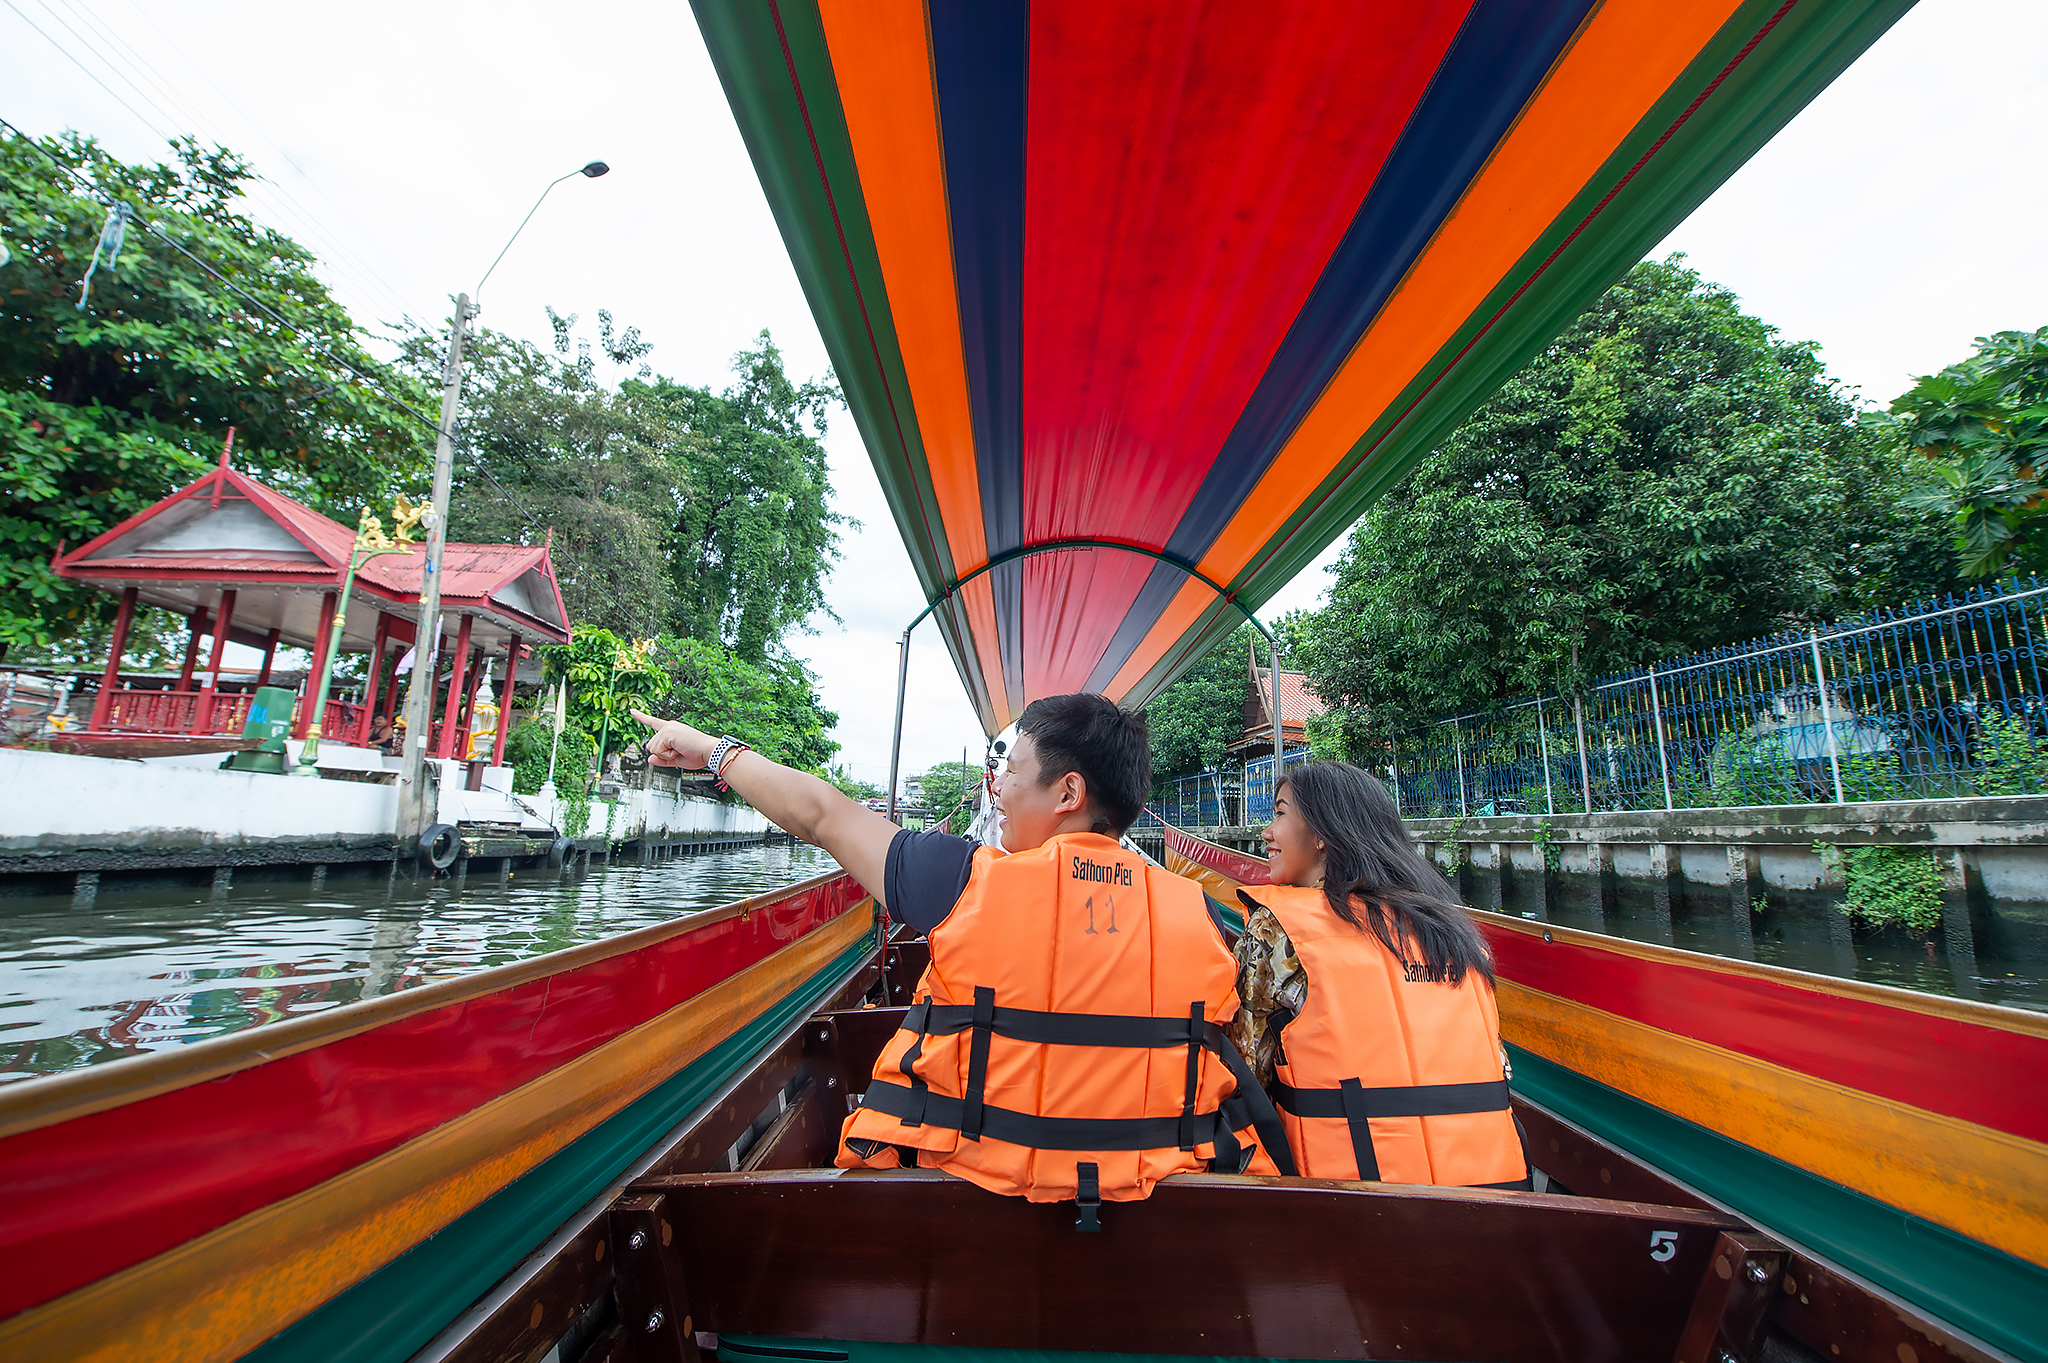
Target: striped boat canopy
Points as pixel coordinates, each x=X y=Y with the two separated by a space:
x=1138 y=304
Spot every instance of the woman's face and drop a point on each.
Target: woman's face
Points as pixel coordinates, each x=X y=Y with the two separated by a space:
x=1294 y=854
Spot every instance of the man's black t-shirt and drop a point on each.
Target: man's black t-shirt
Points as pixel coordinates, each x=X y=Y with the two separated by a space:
x=924 y=875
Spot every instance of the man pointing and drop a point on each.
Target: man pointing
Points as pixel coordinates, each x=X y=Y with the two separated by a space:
x=1066 y=1042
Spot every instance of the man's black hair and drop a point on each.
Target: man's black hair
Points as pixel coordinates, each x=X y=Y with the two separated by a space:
x=1110 y=747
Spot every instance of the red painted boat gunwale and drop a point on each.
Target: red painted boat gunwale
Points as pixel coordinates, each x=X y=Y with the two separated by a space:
x=1974 y=1069
x=98 y=1181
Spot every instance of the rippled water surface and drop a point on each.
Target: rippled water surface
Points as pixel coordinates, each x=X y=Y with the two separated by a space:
x=141 y=970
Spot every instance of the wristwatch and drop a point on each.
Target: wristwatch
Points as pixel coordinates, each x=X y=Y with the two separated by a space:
x=723 y=752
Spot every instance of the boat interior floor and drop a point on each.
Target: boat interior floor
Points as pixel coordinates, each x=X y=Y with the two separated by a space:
x=742 y=1242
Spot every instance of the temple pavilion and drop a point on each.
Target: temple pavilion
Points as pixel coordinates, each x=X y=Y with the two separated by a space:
x=242 y=561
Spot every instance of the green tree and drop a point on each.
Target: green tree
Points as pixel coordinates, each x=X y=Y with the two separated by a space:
x=551 y=447
x=755 y=535
x=106 y=409
x=944 y=786
x=1667 y=476
x=1983 y=426
x=772 y=706
x=608 y=678
x=851 y=786
x=1194 y=720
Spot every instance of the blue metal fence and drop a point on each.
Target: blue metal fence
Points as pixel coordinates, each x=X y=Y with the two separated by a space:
x=1936 y=700
x=1258 y=784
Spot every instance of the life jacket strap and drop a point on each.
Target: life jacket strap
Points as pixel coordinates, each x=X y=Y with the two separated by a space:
x=1405 y=1100
x=1088 y=1199
x=914 y=1021
x=1048 y=1133
x=918 y=1105
x=1357 y=1105
x=1352 y=1095
x=977 y=1062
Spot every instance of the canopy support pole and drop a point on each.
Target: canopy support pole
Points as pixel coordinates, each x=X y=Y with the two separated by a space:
x=902 y=682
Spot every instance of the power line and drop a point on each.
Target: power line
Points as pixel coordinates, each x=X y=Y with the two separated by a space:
x=394 y=295
x=183 y=111
x=90 y=73
x=368 y=380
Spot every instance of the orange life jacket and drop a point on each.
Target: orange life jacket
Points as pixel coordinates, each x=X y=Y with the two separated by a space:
x=1386 y=1075
x=1067 y=1034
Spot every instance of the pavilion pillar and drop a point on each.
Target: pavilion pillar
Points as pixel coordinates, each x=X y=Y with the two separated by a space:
x=197 y=624
x=477 y=670
x=505 y=703
x=451 y=712
x=103 y=704
x=370 y=686
x=269 y=657
x=306 y=718
x=202 y=711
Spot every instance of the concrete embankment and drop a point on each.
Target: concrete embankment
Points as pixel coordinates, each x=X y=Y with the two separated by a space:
x=85 y=821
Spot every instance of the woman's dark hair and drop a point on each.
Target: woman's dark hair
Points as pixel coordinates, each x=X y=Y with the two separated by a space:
x=1367 y=857
x=1110 y=747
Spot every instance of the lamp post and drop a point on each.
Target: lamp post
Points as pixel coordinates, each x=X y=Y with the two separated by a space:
x=414 y=812
x=370 y=542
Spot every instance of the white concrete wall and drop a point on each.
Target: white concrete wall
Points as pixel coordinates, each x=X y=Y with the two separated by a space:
x=55 y=801
x=649 y=814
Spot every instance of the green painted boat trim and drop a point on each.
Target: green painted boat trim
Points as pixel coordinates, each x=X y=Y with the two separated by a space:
x=2000 y=1299
x=390 y=1315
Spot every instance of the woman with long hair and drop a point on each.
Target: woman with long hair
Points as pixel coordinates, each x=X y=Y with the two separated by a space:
x=1367 y=994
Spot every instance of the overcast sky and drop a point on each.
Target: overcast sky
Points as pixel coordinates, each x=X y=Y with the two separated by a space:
x=1896 y=219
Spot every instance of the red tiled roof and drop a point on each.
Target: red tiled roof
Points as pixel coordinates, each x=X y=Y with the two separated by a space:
x=472 y=574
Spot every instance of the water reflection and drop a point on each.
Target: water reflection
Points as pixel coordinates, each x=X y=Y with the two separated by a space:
x=140 y=971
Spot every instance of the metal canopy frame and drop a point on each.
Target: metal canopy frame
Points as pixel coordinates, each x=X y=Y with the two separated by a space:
x=947 y=592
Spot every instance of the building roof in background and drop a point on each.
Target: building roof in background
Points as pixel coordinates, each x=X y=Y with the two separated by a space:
x=226 y=531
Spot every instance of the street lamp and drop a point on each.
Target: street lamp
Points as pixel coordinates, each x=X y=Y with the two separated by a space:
x=414 y=815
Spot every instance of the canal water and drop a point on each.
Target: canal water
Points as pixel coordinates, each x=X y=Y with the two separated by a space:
x=143 y=969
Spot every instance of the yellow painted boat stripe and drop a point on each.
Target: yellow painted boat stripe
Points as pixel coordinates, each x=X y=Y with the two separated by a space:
x=1989 y=1185
x=215 y=1298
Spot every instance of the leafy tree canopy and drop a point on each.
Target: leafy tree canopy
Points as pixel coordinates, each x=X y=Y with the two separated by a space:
x=944 y=786
x=107 y=409
x=1668 y=475
x=550 y=447
x=1196 y=718
x=755 y=535
x=1983 y=426
x=772 y=705
x=852 y=787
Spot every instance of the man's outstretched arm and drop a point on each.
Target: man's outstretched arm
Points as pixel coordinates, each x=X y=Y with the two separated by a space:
x=855 y=836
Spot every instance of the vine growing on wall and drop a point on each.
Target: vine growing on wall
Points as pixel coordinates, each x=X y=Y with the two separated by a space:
x=1886 y=885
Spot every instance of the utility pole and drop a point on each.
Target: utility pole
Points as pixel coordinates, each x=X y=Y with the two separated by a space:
x=415 y=813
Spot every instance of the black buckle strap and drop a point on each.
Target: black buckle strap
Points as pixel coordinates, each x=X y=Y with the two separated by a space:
x=1264 y=1120
x=1134 y=1031
x=914 y=1020
x=1089 y=1201
x=1352 y=1095
x=1049 y=1133
x=977 y=1061
x=1407 y=1100
x=1187 y=1105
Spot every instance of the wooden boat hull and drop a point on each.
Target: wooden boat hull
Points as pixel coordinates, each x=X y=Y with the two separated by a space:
x=337 y=1187
x=1899 y=1135
x=355 y=1174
